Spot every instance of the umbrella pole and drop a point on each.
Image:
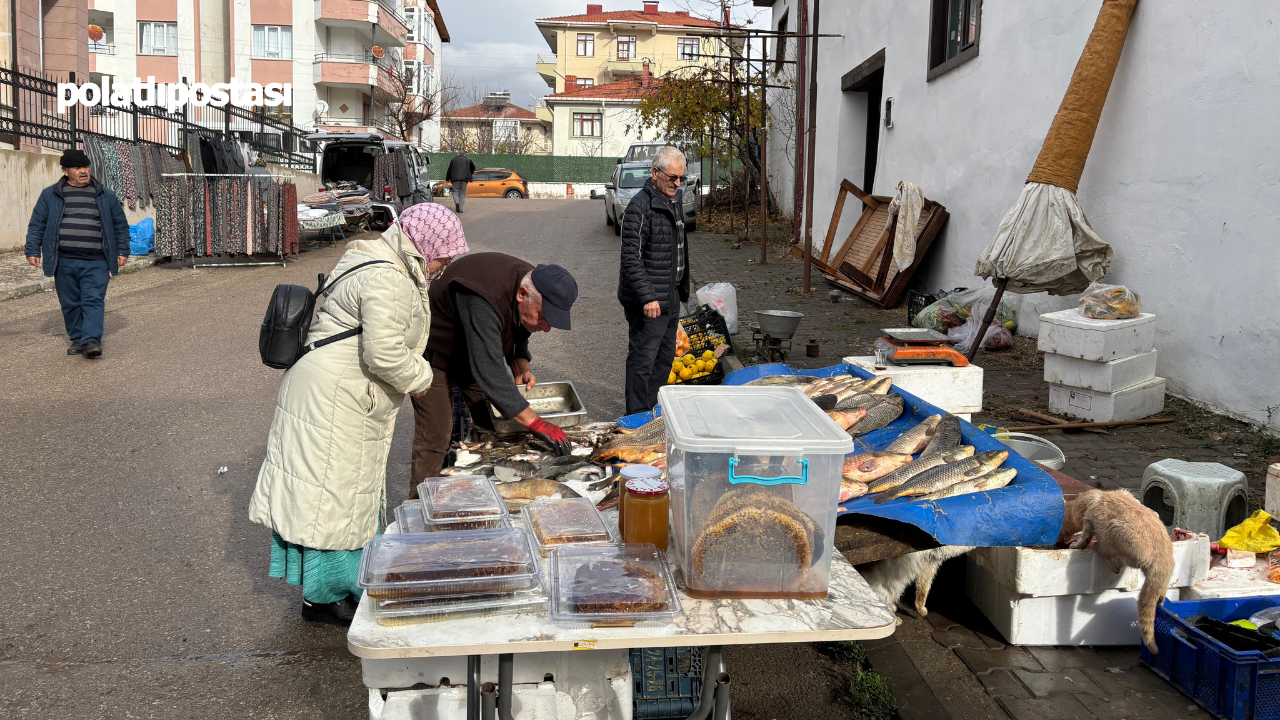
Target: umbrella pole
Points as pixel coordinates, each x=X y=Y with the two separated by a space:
x=1001 y=284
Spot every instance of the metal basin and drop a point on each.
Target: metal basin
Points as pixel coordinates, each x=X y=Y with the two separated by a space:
x=556 y=402
x=779 y=324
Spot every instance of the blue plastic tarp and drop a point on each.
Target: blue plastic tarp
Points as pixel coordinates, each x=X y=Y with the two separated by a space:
x=142 y=237
x=1028 y=511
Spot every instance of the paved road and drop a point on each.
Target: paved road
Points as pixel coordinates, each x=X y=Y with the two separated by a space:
x=135 y=585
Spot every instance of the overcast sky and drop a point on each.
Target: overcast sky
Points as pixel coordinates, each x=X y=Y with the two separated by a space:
x=495 y=43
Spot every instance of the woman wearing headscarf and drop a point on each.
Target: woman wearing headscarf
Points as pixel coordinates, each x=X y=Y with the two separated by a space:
x=322 y=486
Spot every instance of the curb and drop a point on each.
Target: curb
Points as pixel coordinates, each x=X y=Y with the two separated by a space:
x=45 y=284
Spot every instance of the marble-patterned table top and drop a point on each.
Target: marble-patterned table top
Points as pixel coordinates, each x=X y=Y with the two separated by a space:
x=851 y=611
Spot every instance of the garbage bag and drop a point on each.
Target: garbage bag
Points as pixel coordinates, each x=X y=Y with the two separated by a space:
x=724 y=298
x=1110 y=302
x=1254 y=535
x=955 y=309
x=997 y=336
x=142 y=237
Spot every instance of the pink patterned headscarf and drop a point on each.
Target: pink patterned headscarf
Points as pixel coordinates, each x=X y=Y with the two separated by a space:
x=434 y=230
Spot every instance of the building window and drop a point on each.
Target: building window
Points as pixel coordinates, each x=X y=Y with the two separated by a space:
x=953 y=37
x=424 y=87
x=626 y=47
x=273 y=42
x=428 y=29
x=411 y=22
x=157 y=38
x=586 y=45
x=587 y=124
x=688 y=49
x=586 y=83
x=413 y=80
x=780 y=43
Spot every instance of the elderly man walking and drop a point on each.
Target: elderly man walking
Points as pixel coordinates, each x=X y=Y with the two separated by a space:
x=79 y=228
x=459 y=174
x=653 y=278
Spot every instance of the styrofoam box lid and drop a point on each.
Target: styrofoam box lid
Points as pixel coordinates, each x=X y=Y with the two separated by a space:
x=1076 y=319
x=776 y=420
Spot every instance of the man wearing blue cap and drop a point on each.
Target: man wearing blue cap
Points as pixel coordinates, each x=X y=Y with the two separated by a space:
x=484 y=308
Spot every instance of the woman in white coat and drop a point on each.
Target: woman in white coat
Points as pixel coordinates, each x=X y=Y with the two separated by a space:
x=322 y=486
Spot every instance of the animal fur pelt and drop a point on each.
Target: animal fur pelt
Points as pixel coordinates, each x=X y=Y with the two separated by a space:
x=1129 y=535
x=889 y=578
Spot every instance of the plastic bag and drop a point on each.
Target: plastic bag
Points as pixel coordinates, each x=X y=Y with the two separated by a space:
x=997 y=336
x=142 y=237
x=955 y=309
x=1254 y=535
x=724 y=298
x=1110 y=302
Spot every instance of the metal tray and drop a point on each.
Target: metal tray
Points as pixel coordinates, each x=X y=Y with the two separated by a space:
x=556 y=402
x=916 y=335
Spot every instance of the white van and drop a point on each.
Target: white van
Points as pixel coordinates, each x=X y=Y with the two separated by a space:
x=349 y=157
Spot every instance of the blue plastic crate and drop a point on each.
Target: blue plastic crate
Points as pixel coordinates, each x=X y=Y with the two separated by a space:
x=667 y=681
x=1230 y=684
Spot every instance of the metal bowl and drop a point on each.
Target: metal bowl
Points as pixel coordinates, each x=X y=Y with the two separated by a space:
x=779 y=324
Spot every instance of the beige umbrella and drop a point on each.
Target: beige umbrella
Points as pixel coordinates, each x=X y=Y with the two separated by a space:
x=1044 y=242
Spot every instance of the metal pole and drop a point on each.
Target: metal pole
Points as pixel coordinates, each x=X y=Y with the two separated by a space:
x=488 y=702
x=802 y=50
x=813 y=112
x=712 y=666
x=732 y=141
x=746 y=142
x=722 y=689
x=473 y=687
x=1001 y=284
x=506 y=668
x=75 y=109
x=764 y=201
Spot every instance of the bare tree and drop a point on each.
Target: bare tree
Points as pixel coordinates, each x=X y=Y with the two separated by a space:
x=406 y=109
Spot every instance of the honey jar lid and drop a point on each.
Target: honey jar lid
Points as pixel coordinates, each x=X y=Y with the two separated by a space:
x=640 y=471
x=647 y=486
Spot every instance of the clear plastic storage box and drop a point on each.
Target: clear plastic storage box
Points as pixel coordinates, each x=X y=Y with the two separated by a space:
x=468 y=502
x=411 y=517
x=755 y=483
x=565 y=521
x=440 y=564
x=620 y=585
x=409 y=611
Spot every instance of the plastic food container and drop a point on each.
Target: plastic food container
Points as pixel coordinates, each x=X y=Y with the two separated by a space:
x=618 y=586
x=440 y=564
x=755 y=483
x=411 y=517
x=565 y=521
x=463 y=499
x=409 y=611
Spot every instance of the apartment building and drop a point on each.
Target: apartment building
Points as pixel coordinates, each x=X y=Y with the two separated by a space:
x=345 y=59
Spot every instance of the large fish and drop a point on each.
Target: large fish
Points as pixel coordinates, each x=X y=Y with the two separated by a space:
x=991 y=481
x=945 y=436
x=821 y=386
x=850 y=489
x=914 y=440
x=651 y=433
x=769 y=380
x=847 y=418
x=879 y=415
x=865 y=467
x=926 y=462
x=878 y=386
x=832 y=396
x=634 y=453
x=944 y=476
x=518 y=494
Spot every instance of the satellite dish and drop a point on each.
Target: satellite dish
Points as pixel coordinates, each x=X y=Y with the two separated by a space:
x=322 y=107
x=96 y=34
x=378 y=52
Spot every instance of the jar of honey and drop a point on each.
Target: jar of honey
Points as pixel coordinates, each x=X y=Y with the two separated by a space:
x=631 y=472
x=646 y=503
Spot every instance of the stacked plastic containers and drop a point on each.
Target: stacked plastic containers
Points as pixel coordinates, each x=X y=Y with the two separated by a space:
x=554 y=522
x=755 y=483
x=467 y=561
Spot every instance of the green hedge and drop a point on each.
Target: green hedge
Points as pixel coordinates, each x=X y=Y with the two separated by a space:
x=536 y=168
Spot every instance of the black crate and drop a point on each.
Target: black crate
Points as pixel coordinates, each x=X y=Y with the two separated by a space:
x=667 y=681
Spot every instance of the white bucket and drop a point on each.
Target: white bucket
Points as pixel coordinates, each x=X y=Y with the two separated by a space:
x=1034 y=447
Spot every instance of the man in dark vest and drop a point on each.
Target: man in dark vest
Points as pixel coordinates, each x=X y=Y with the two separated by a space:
x=484 y=307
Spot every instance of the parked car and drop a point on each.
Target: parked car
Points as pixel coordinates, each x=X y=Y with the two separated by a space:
x=628 y=178
x=488 y=182
x=642 y=151
x=349 y=157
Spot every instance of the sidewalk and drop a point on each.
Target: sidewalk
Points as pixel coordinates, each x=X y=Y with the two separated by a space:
x=19 y=279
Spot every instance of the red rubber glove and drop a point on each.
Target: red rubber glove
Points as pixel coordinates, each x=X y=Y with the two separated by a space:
x=552 y=435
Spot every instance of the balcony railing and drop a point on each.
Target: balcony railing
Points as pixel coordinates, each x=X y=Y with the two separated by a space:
x=361 y=58
x=355 y=122
x=394 y=11
x=102 y=48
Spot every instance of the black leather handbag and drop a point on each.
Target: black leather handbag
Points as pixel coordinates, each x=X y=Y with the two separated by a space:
x=282 y=339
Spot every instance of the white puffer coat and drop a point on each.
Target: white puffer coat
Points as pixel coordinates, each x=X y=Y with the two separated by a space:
x=323 y=482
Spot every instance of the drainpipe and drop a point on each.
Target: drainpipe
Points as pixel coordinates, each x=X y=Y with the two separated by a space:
x=809 y=163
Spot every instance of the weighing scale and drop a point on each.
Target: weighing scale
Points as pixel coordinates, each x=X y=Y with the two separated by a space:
x=918 y=346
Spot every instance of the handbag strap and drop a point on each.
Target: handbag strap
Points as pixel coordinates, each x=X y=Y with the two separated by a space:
x=329 y=286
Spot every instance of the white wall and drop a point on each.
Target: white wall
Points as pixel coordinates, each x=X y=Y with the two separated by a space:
x=1181 y=179
x=614 y=139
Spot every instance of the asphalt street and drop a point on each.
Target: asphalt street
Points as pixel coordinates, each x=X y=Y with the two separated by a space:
x=136 y=586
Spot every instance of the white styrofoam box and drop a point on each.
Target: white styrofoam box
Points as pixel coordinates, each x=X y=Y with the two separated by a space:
x=541 y=701
x=1225 y=582
x=1068 y=332
x=1101 y=376
x=1037 y=304
x=1132 y=403
x=1045 y=573
x=577 y=667
x=953 y=389
x=1271 y=502
x=967 y=417
x=1105 y=618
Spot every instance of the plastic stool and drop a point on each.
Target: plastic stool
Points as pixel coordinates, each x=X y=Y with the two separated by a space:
x=1201 y=497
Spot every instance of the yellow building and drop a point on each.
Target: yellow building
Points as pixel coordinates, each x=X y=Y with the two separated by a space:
x=600 y=47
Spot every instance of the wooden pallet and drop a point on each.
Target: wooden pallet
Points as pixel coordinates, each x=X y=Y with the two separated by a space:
x=864 y=263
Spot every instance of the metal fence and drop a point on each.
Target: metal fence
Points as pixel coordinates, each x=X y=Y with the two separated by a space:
x=29 y=109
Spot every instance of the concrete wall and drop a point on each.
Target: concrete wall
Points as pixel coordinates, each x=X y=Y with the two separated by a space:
x=1181 y=178
x=560 y=191
x=614 y=138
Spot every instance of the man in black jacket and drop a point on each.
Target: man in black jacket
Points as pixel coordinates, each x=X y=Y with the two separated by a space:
x=653 y=278
x=458 y=175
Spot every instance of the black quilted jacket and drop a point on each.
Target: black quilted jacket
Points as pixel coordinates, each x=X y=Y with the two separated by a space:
x=650 y=227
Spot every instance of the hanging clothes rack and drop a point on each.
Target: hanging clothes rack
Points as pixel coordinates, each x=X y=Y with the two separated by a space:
x=195 y=262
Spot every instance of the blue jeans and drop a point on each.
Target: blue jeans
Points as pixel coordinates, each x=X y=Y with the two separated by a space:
x=82 y=291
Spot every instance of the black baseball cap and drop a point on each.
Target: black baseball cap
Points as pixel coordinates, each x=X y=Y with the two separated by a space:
x=74 y=159
x=558 y=290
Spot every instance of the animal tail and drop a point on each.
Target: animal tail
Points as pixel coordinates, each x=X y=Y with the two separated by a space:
x=1152 y=595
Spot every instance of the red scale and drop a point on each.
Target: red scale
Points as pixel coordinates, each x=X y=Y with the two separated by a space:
x=918 y=346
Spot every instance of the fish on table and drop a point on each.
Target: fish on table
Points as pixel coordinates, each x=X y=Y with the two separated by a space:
x=945 y=437
x=634 y=453
x=993 y=480
x=915 y=467
x=847 y=418
x=915 y=439
x=771 y=380
x=850 y=489
x=520 y=493
x=865 y=467
x=879 y=415
x=944 y=476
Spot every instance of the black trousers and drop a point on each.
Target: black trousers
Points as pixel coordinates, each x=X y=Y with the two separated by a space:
x=651 y=348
